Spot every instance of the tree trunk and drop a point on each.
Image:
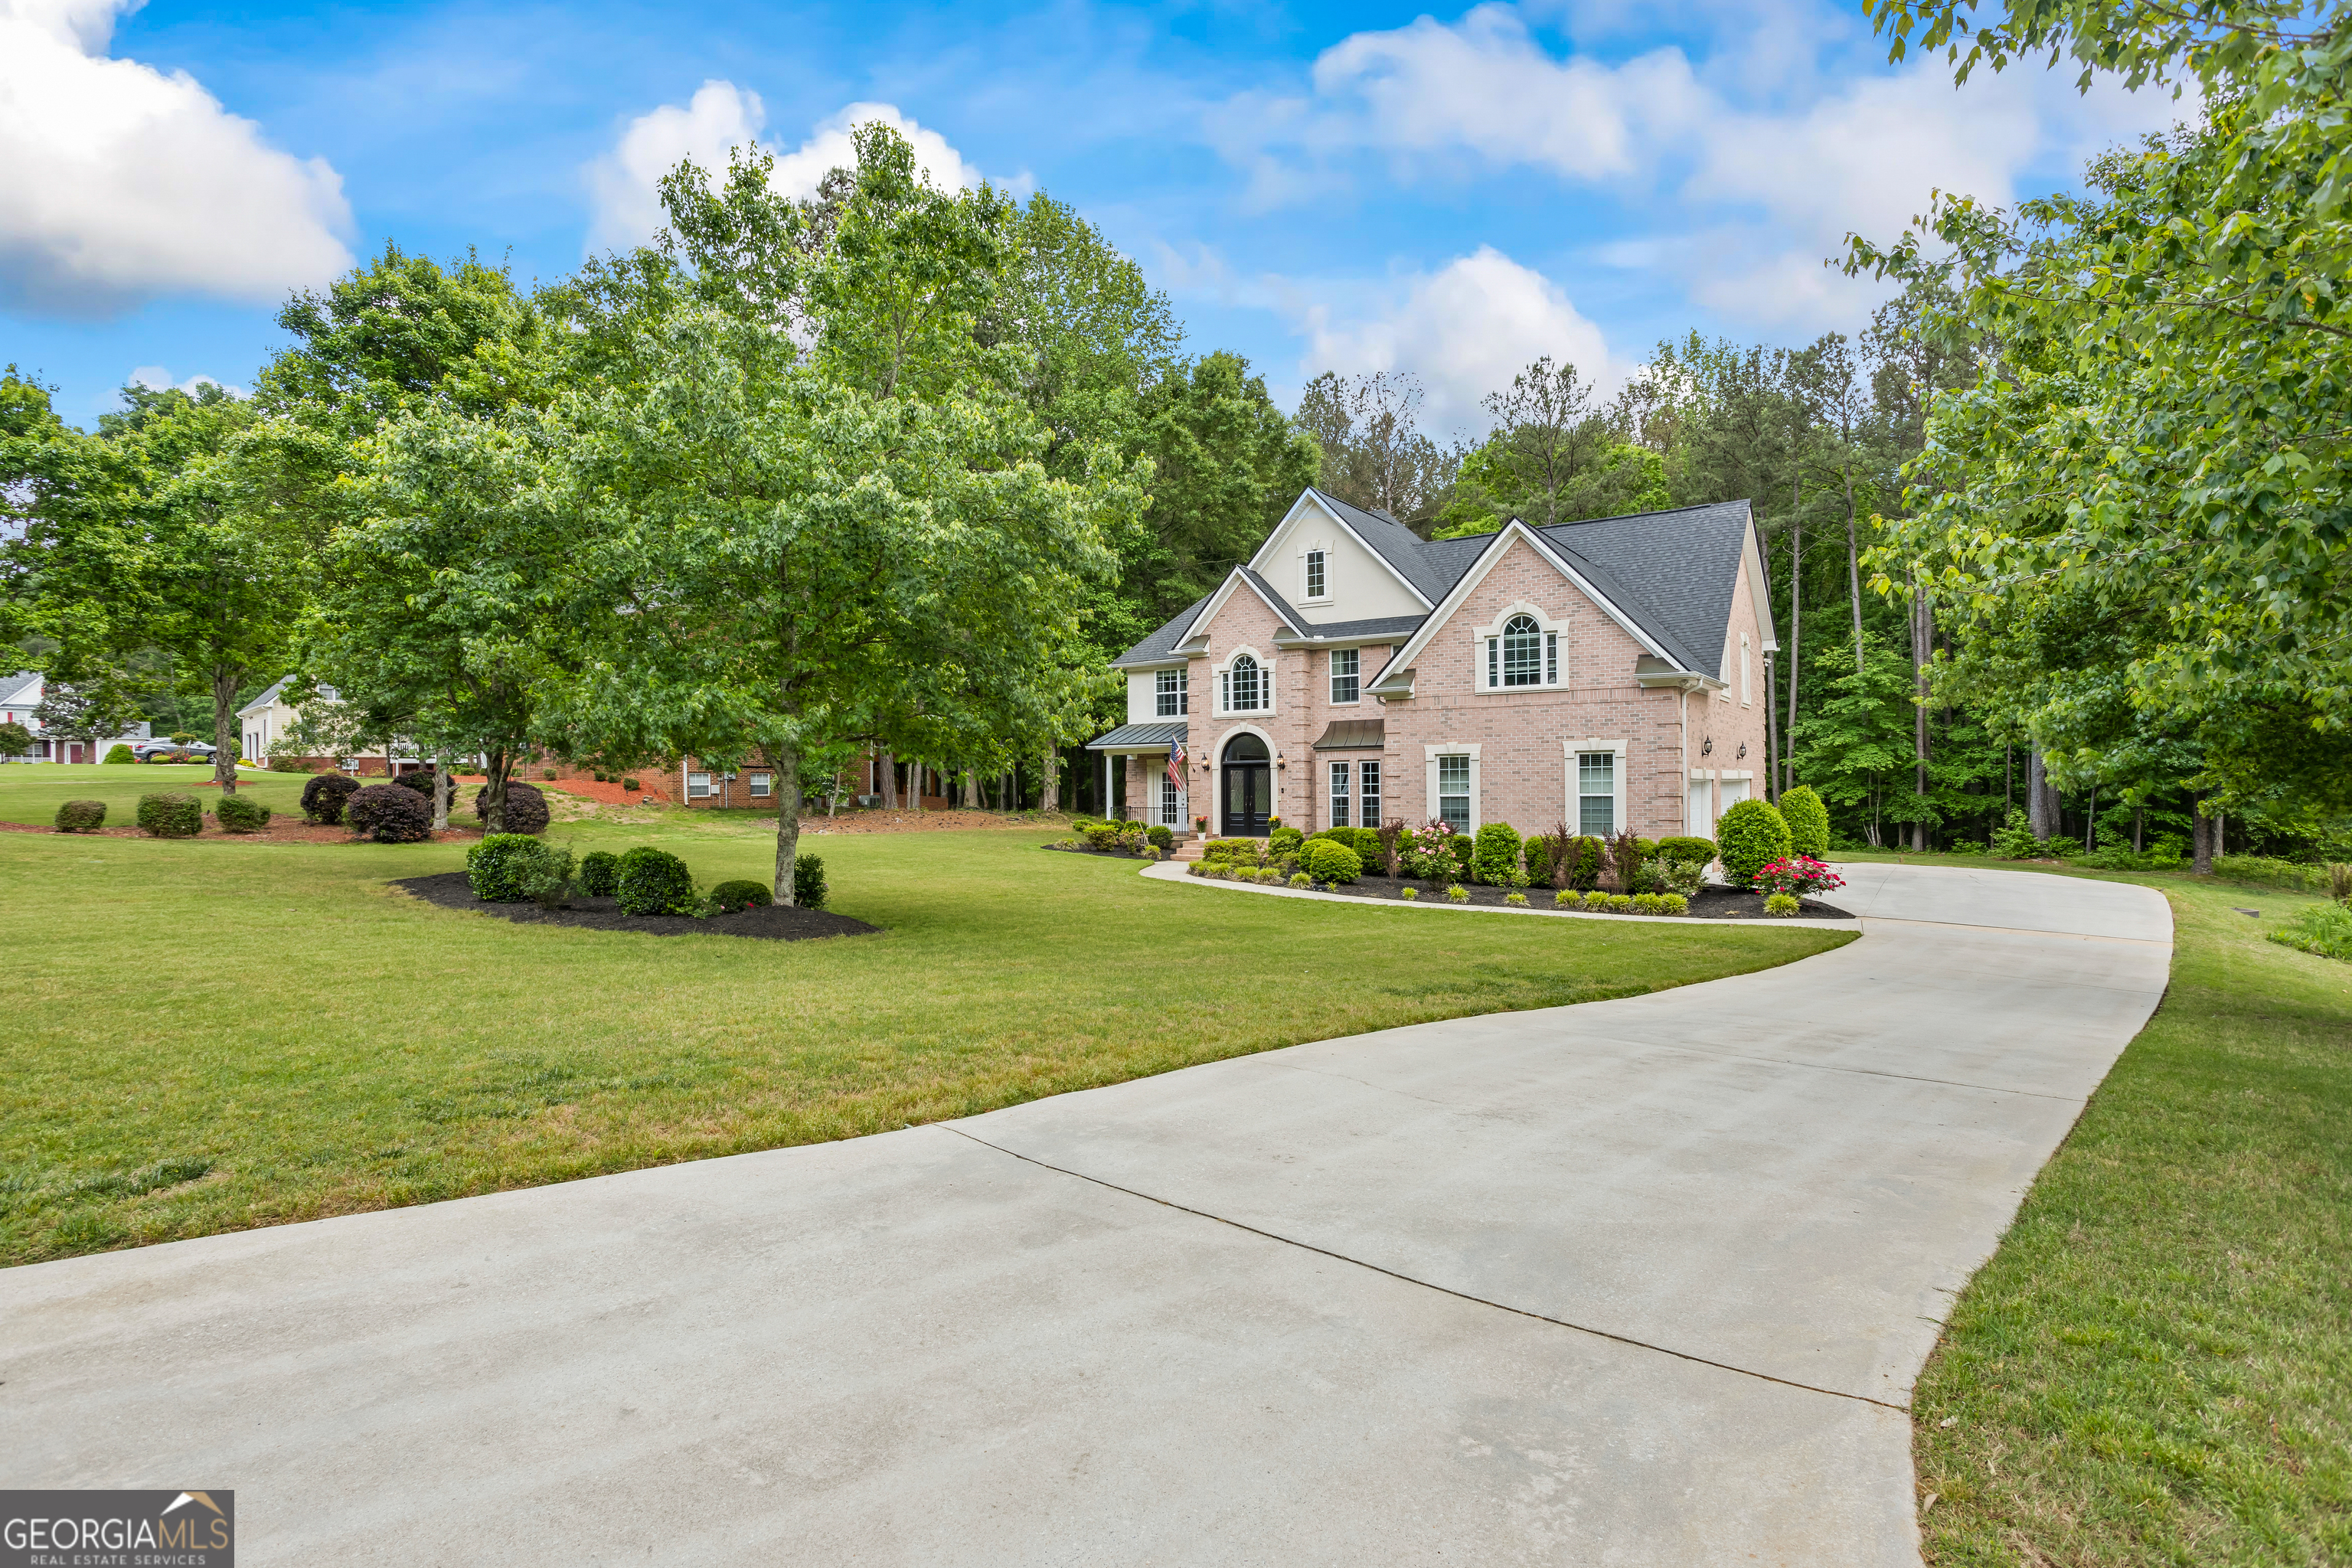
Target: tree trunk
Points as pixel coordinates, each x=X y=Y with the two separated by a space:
x=1049 y=792
x=1796 y=634
x=444 y=787
x=787 y=758
x=970 y=790
x=1772 y=728
x=225 y=682
x=498 y=764
x=2201 y=842
x=889 y=780
x=1923 y=632
x=2041 y=800
x=1853 y=569
x=2138 y=844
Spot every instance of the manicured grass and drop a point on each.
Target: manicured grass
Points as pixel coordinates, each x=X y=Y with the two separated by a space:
x=32 y=792
x=314 y=1042
x=2156 y=1367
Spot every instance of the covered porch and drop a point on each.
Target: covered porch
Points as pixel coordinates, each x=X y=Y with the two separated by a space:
x=1137 y=777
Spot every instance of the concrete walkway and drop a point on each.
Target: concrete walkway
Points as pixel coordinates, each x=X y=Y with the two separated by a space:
x=1640 y=1282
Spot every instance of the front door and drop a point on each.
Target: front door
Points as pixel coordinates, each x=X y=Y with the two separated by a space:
x=1248 y=794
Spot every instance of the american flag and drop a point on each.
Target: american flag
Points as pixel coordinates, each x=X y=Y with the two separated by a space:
x=1176 y=763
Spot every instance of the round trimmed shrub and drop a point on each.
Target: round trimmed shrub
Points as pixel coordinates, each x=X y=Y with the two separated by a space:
x=1284 y=840
x=599 y=873
x=1328 y=860
x=81 y=816
x=389 y=815
x=120 y=753
x=732 y=898
x=1495 y=857
x=1621 y=903
x=494 y=867
x=1808 y=820
x=418 y=779
x=526 y=807
x=171 y=815
x=1673 y=904
x=324 y=797
x=1596 y=899
x=808 y=881
x=1749 y=836
x=241 y=813
x=1690 y=851
x=653 y=882
x=1781 y=905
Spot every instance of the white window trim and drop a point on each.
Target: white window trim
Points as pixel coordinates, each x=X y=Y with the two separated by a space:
x=1331 y=672
x=1346 y=771
x=1183 y=693
x=1430 y=753
x=1223 y=690
x=1380 y=814
x=1572 y=790
x=1554 y=631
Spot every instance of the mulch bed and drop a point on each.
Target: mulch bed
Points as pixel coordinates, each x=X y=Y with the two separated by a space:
x=451 y=890
x=1713 y=903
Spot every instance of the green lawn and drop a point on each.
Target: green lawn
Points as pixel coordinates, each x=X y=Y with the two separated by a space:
x=32 y=792
x=2156 y=1367
x=215 y=1033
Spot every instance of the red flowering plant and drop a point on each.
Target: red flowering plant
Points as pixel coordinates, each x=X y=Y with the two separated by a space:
x=1797 y=875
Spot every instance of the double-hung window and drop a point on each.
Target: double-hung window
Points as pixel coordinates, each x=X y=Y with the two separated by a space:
x=1524 y=655
x=1245 y=688
x=761 y=784
x=1596 y=794
x=697 y=785
x=1345 y=662
x=1339 y=772
x=1367 y=799
x=1454 y=792
x=1315 y=569
x=1174 y=700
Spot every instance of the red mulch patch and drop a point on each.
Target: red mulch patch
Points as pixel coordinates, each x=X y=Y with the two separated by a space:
x=296 y=832
x=607 y=794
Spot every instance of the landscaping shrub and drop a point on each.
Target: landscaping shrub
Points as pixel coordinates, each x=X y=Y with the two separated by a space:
x=1103 y=836
x=1797 y=876
x=1465 y=848
x=1390 y=835
x=2265 y=870
x=1285 y=841
x=1666 y=875
x=1647 y=904
x=2013 y=840
x=276 y=764
x=1749 y=836
x=324 y=797
x=81 y=816
x=1621 y=903
x=653 y=882
x=729 y=898
x=1161 y=836
x=547 y=774
x=1494 y=855
x=418 y=779
x=389 y=815
x=1673 y=904
x=1301 y=879
x=1596 y=899
x=1584 y=865
x=241 y=813
x=526 y=807
x=171 y=815
x=1567 y=899
x=119 y=754
x=1540 y=850
x=1808 y=820
x=494 y=867
x=545 y=875
x=1520 y=900
x=1700 y=852
x=2323 y=929
x=1408 y=892
x=629 y=784
x=1781 y=905
x=1457 y=892
x=599 y=873
x=1328 y=860
x=808 y=881
x=2060 y=847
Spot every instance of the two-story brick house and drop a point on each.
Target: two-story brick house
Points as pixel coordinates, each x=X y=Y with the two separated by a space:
x=1605 y=674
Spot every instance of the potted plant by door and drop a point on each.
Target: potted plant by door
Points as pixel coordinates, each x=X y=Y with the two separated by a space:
x=1201 y=825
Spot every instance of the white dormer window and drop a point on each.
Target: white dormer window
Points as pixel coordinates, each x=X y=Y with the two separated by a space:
x=1521 y=652
x=1316 y=564
x=1245 y=687
x=1174 y=701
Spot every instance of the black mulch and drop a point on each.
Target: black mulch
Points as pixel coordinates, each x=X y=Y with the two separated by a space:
x=775 y=923
x=1713 y=903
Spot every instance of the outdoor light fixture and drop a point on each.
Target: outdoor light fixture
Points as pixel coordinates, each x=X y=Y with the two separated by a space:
x=1707 y=746
x=1743 y=750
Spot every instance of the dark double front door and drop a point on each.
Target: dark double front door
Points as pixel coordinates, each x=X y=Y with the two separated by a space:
x=1248 y=787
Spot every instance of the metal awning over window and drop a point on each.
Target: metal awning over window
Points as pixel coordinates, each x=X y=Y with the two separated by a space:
x=1354 y=735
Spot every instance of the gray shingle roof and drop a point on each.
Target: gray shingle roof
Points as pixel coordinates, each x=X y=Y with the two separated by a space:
x=1672 y=572
x=14 y=689
x=1281 y=606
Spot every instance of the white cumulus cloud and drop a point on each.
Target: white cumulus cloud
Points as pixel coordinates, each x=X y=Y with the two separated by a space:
x=1464 y=330
x=626 y=185
x=118 y=183
x=155 y=378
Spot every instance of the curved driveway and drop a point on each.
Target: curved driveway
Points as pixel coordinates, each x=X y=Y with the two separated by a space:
x=1641 y=1282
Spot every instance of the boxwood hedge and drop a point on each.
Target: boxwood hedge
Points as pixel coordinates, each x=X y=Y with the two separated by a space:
x=324 y=797
x=729 y=898
x=526 y=807
x=599 y=873
x=241 y=813
x=389 y=815
x=81 y=816
x=1751 y=835
x=171 y=815
x=653 y=882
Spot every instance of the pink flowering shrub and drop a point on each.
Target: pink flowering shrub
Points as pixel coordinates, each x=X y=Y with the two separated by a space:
x=1797 y=875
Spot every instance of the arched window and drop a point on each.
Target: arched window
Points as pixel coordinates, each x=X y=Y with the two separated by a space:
x=1524 y=655
x=1245 y=684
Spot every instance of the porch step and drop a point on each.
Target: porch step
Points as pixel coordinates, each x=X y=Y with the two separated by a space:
x=1190 y=849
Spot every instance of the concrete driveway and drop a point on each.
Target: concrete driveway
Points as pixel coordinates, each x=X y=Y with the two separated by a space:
x=1635 y=1282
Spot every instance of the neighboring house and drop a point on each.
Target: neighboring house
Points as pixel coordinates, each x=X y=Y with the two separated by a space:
x=20 y=695
x=1606 y=675
x=269 y=718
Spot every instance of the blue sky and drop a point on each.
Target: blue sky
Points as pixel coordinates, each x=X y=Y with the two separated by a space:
x=1447 y=191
